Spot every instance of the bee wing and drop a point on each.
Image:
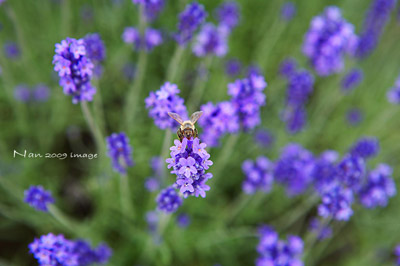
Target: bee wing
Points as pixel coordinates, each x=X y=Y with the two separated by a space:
x=195 y=116
x=176 y=117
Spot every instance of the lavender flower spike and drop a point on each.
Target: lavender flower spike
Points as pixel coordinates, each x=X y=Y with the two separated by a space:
x=169 y=200
x=189 y=162
x=38 y=198
x=189 y=20
x=259 y=175
x=228 y=14
x=211 y=40
x=393 y=95
x=120 y=152
x=75 y=69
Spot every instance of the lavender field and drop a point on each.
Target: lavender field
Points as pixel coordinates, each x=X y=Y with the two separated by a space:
x=208 y=133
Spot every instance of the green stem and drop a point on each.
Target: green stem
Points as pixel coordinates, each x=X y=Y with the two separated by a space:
x=98 y=107
x=93 y=127
x=63 y=220
x=163 y=223
x=174 y=64
x=199 y=86
x=165 y=151
x=239 y=205
x=312 y=238
x=126 y=205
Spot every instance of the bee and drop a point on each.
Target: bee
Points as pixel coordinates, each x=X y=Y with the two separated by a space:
x=187 y=129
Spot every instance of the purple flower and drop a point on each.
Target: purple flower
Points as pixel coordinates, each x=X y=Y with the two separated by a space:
x=322 y=231
x=300 y=87
x=152 y=38
x=351 y=171
x=38 y=198
x=336 y=203
x=264 y=138
x=120 y=152
x=393 y=95
x=152 y=8
x=211 y=40
x=41 y=93
x=233 y=67
x=375 y=20
x=131 y=36
x=365 y=147
x=55 y=250
x=397 y=254
x=354 y=116
x=189 y=20
x=247 y=99
x=168 y=200
x=274 y=251
x=95 y=49
x=218 y=120
x=2 y=1
x=259 y=175
x=22 y=93
x=163 y=101
x=74 y=69
x=329 y=38
x=294 y=169
x=254 y=70
x=288 y=11
x=228 y=14
x=288 y=67
x=352 y=80
x=152 y=219
x=183 y=220
x=11 y=50
x=190 y=165
x=129 y=70
x=378 y=188
x=324 y=172
x=152 y=184
x=295 y=118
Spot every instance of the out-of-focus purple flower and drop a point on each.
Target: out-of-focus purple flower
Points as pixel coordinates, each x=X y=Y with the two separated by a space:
x=129 y=70
x=294 y=169
x=329 y=38
x=351 y=171
x=300 y=87
x=233 y=67
x=393 y=95
x=38 y=198
x=247 y=99
x=228 y=14
x=11 y=50
x=151 y=38
x=354 y=116
x=165 y=100
x=254 y=70
x=131 y=35
x=288 y=67
x=274 y=251
x=259 y=175
x=218 y=120
x=2 y=1
x=152 y=8
x=183 y=220
x=365 y=147
x=295 y=118
x=55 y=250
x=120 y=152
x=168 y=200
x=324 y=171
x=322 y=231
x=189 y=162
x=211 y=40
x=288 y=11
x=41 y=93
x=152 y=184
x=75 y=69
x=22 y=93
x=264 y=138
x=189 y=20
x=336 y=203
x=378 y=188
x=152 y=219
x=375 y=20
x=397 y=253
x=95 y=48
x=352 y=80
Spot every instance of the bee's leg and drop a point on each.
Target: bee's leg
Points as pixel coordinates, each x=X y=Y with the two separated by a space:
x=180 y=135
x=195 y=133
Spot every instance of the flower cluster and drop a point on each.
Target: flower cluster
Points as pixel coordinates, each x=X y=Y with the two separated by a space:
x=75 y=69
x=352 y=80
x=365 y=147
x=375 y=20
x=150 y=39
x=217 y=120
x=329 y=38
x=189 y=162
x=393 y=95
x=228 y=15
x=38 y=198
x=211 y=40
x=336 y=203
x=120 y=152
x=247 y=98
x=165 y=100
x=95 y=51
x=378 y=188
x=288 y=11
x=274 y=251
x=189 y=20
x=56 y=250
x=300 y=87
x=259 y=175
x=152 y=8
x=168 y=200
x=39 y=93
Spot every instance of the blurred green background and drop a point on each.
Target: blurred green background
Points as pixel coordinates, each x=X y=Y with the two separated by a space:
x=222 y=228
